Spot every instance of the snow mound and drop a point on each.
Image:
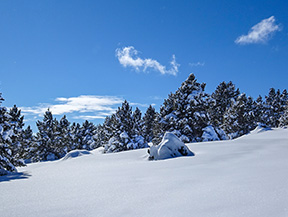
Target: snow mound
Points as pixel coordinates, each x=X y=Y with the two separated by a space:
x=170 y=146
x=260 y=129
x=96 y=151
x=75 y=153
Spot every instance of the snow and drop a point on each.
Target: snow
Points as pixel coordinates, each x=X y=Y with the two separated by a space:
x=124 y=135
x=260 y=128
x=170 y=146
x=75 y=153
x=209 y=134
x=243 y=177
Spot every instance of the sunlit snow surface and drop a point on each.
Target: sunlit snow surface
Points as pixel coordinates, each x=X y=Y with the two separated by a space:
x=244 y=177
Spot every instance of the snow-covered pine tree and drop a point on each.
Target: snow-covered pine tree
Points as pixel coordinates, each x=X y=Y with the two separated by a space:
x=239 y=118
x=99 y=137
x=149 y=122
x=259 y=110
x=28 y=141
x=185 y=112
x=273 y=108
x=16 y=127
x=45 y=147
x=64 y=138
x=283 y=121
x=197 y=115
x=87 y=133
x=124 y=116
x=284 y=99
x=137 y=122
x=75 y=134
x=168 y=114
x=158 y=130
x=121 y=130
x=138 y=139
x=223 y=97
x=6 y=157
x=109 y=128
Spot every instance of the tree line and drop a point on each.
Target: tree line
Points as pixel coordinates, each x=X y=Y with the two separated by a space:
x=190 y=113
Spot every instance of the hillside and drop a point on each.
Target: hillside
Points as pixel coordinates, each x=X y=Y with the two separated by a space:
x=242 y=177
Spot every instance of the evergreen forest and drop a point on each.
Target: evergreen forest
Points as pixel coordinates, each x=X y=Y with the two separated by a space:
x=190 y=113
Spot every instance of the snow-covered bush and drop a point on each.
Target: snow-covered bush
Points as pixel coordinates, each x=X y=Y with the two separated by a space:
x=170 y=146
x=209 y=134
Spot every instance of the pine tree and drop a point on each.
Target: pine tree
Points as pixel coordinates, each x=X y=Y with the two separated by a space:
x=283 y=121
x=109 y=128
x=168 y=113
x=137 y=122
x=185 y=113
x=123 y=130
x=16 y=127
x=158 y=130
x=46 y=145
x=239 y=118
x=138 y=139
x=87 y=133
x=28 y=140
x=6 y=156
x=75 y=134
x=259 y=111
x=223 y=97
x=273 y=108
x=64 y=138
x=149 y=122
x=100 y=137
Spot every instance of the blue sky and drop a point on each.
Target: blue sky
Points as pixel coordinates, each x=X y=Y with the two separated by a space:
x=83 y=58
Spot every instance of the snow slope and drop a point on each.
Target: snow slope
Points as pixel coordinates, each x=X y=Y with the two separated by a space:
x=244 y=177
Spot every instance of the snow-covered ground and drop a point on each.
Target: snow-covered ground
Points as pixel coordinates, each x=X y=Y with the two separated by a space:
x=244 y=177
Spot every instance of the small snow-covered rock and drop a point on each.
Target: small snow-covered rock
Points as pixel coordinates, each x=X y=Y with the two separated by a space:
x=75 y=153
x=170 y=146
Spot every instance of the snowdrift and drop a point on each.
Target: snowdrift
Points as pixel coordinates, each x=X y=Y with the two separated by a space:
x=170 y=146
x=232 y=178
x=75 y=153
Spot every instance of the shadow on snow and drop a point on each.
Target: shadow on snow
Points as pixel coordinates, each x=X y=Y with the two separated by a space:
x=14 y=176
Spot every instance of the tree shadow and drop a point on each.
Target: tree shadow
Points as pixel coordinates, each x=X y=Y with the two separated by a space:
x=14 y=176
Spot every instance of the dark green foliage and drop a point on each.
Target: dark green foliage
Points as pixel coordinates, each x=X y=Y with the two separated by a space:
x=28 y=141
x=283 y=121
x=11 y=124
x=185 y=112
x=239 y=119
x=223 y=97
x=48 y=140
x=149 y=123
x=274 y=107
x=87 y=132
x=16 y=128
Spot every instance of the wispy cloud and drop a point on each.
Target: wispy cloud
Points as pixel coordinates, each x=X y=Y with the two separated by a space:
x=139 y=104
x=197 y=64
x=99 y=105
x=128 y=56
x=89 y=117
x=260 y=33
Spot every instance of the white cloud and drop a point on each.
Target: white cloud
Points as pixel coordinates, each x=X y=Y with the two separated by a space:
x=89 y=117
x=128 y=56
x=139 y=104
x=260 y=33
x=82 y=104
x=197 y=64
